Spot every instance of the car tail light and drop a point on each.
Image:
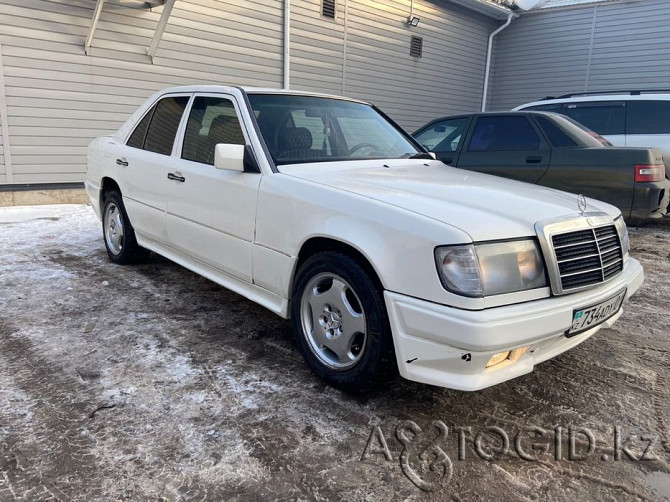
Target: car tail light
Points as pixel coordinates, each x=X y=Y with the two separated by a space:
x=649 y=172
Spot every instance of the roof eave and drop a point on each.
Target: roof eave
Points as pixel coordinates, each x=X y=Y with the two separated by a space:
x=485 y=7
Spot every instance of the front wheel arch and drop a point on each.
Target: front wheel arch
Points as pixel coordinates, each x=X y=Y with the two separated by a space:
x=316 y=245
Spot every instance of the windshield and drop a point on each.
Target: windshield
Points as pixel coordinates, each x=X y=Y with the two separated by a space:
x=301 y=129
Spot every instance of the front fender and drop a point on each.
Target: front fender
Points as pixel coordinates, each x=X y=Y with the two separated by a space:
x=398 y=243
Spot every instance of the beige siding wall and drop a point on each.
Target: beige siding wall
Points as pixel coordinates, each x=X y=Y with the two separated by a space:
x=370 y=58
x=58 y=98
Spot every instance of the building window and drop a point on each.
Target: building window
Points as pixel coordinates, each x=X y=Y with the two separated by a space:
x=328 y=9
x=416 y=47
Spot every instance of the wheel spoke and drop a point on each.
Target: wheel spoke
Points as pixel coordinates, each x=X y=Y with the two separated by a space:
x=119 y=222
x=318 y=333
x=341 y=346
x=352 y=321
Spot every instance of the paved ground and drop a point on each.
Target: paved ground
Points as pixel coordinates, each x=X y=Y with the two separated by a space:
x=150 y=382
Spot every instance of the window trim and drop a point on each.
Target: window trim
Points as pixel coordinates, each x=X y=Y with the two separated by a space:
x=181 y=131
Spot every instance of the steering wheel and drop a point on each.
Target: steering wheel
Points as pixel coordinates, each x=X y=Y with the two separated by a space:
x=363 y=145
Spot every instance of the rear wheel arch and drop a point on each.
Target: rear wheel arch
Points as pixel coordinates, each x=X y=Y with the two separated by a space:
x=107 y=185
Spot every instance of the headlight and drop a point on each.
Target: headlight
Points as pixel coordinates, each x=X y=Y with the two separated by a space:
x=491 y=268
x=623 y=236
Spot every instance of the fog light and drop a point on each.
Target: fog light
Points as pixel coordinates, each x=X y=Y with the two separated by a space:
x=507 y=357
x=497 y=358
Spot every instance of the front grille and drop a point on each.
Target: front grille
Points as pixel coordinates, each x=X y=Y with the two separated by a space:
x=587 y=257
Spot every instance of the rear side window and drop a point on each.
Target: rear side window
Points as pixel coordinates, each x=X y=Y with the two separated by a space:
x=648 y=117
x=503 y=133
x=164 y=124
x=557 y=137
x=212 y=121
x=604 y=117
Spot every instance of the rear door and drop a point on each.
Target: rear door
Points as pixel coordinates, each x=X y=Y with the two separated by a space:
x=444 y=138
x=607 y=118
x=506 y=145
x=144 y=162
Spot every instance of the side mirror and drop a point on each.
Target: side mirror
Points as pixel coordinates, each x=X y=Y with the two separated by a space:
x=229 y=157
x=432 y=154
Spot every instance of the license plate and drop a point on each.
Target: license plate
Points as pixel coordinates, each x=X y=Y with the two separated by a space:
x=586 y=318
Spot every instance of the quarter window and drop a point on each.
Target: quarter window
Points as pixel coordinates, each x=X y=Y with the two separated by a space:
x=648 y=117
x=503 y=133
x=164 y=124
x=136 y=139
x=604 y=117
x=212 y=120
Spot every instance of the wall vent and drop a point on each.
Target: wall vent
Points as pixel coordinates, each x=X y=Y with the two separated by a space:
x=416 y=47
x=328 y=8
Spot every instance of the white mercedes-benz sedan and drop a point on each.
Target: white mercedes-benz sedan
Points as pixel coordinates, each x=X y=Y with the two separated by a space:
x=323 y=210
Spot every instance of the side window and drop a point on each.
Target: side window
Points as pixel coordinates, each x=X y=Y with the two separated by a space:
x=443 y=136
x=557 y=138
x=212 y=120
x=503 y=133
x=604 y=117
x=164 y=123
x=648 y=117
x=136 y=139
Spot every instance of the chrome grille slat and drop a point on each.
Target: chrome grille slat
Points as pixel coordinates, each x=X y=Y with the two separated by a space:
x=587 y=257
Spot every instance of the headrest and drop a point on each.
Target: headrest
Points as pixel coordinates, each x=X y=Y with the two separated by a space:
x=295 y=138
x=226 y=129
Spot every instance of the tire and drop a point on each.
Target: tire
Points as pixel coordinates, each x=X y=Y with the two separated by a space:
x=341 y=324
x=118 y=233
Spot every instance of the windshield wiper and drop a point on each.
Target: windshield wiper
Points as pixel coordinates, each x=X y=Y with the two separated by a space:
x=420 y=155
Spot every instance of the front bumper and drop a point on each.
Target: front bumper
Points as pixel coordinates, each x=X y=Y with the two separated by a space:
x=450 y=347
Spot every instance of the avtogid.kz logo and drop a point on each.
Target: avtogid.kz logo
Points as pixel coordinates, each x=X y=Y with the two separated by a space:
x=424 y=461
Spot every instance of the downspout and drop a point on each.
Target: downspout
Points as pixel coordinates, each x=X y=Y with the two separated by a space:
x=287 y=43
x=488 y=58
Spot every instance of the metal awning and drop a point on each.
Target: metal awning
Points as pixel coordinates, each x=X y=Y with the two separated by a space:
x=158 y=33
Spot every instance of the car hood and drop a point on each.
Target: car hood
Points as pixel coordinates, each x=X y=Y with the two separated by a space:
x=483 y=206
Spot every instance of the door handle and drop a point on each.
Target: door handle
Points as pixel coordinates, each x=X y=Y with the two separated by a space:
x=175 y=177
x=122 y=162
x=533 y=159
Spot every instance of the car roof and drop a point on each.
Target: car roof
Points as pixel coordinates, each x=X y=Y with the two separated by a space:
x=477 y=114
x=597 y=97
x=250 y=90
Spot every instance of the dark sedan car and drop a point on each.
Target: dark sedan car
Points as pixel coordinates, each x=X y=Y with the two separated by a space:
x=552 y=150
